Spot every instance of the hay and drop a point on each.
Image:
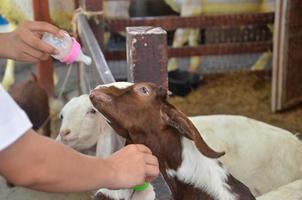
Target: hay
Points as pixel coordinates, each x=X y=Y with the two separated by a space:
x=241 y=93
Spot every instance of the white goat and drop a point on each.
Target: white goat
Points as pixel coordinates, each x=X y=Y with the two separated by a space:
x=84 y=128
x=292 y=191
x=262 y=156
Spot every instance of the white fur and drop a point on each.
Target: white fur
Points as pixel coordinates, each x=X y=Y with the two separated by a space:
x=202 y=172
x=88 y=130
x=262 y=156
x=116 y=194
x=108 y=143
x=84 y=127
x=119 y=85
x=147 y=194
x=292 y=191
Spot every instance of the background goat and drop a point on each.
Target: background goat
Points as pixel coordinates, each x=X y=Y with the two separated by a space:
x=33 y=99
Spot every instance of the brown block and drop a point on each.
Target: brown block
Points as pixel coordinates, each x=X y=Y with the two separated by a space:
x=147 y=55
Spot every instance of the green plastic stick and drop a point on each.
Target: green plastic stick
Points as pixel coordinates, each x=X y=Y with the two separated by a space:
x=141 y=187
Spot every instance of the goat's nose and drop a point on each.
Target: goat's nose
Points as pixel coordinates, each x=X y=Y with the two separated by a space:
x=99 y=96
x=64 y=132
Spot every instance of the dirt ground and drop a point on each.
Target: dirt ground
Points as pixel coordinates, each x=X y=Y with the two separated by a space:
x=239 y=93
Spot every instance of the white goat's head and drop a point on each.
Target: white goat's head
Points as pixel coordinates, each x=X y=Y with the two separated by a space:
x=81 y=124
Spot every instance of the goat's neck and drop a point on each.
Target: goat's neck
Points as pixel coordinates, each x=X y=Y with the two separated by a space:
x=199 y=177
x=91 y=151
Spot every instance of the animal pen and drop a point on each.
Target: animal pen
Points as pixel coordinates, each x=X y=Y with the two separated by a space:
x=226 y=35
x=147 y=51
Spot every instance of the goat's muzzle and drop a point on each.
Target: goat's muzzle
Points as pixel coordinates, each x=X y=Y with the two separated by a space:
x=97 y=95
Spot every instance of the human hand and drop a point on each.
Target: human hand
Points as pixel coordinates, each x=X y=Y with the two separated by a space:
x=25 y=42
x=133 y=165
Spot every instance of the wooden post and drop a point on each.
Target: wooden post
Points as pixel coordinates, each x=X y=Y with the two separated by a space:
x=45 y=68
x=287 y=58
x=97 y=24
x=147 y=55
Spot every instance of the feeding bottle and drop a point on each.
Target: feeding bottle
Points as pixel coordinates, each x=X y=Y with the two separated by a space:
x=69 y=49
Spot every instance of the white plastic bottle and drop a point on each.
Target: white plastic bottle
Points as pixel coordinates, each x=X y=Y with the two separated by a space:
x=69 y=49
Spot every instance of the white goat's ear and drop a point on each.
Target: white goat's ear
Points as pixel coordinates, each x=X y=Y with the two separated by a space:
x=169 y=93
x=180 y=122
x=58 y=139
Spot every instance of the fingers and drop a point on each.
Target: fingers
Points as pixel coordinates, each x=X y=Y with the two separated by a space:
x=151 y=173
x=151 y=160
x=151 y=163
x=135 y=164
x=152 y=168
x=143 y=148
x=35 y=53
x=44 y=27
x=150 y=179
x=30 y=39
x=28 y=58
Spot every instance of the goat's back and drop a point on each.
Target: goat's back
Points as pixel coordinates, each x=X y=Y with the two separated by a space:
x=33 y=99
x=292 y=191
x=262 y=156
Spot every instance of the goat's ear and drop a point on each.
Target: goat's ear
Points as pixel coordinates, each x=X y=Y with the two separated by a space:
x=179 y=121
x=163 y=93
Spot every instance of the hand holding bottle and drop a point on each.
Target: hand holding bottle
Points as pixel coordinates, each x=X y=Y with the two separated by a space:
x=25 y=44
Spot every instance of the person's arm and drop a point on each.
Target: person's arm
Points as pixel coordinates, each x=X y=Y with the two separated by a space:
x=40 y=163
x=25 y=44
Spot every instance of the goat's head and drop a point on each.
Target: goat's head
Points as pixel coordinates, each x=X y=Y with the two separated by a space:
x=139 y=112
x=81 y=124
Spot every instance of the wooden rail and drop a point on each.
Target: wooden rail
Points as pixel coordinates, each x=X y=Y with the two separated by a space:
x=202 y=50
x=173 y=22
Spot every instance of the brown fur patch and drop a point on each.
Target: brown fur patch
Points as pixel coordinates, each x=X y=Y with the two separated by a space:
x=33 y=99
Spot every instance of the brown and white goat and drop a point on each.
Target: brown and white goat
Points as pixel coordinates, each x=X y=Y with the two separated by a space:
x=33 y=99
x=141 y=114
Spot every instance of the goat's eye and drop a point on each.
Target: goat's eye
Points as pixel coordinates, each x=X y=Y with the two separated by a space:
x=144 y=90
x=61 y=117
x=92 y=111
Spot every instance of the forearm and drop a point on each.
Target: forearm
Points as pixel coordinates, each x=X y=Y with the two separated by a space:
x=40 y=163
x=3 y=45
